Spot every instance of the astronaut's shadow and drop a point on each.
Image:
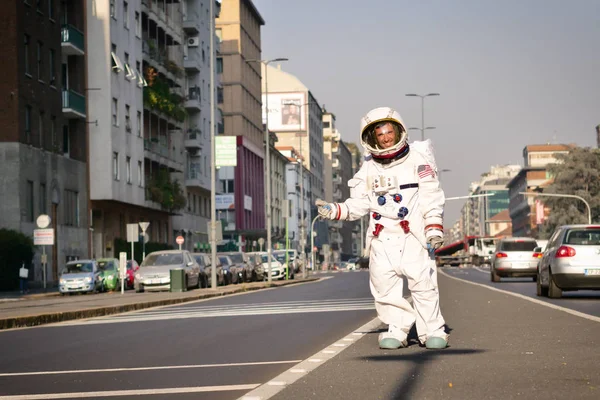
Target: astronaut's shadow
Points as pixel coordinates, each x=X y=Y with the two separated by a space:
x=413 y=337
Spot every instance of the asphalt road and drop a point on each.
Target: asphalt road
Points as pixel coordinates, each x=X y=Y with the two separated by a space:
x=585 y=301
x=212 y=349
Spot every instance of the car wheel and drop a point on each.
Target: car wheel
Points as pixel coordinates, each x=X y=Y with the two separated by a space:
x=494 y=275
x=554 y=292
x=540 y=290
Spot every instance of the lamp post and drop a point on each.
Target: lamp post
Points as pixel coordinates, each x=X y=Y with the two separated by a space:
x=422 y=96
x=569 y=196
x=213 y=170
x=267 y=158
x=312 y=242
x=302 y=231
x=443 y=170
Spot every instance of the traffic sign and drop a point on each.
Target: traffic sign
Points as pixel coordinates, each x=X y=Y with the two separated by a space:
x=43 y=237
x=179 y=240
x=144 y=226
x=133 y=233
x=43 y=221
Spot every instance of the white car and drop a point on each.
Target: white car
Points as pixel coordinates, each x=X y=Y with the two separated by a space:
x=277 y=269
x=351 y=265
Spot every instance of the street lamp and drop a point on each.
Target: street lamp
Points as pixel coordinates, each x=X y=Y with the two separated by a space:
x=470 y=196
x=570 y=196
x=312 y=242
x=443 y=170
x=302 y=231
x=422 y=110
x=267 y=158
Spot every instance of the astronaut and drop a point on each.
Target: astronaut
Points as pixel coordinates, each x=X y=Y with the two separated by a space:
x=398 y=185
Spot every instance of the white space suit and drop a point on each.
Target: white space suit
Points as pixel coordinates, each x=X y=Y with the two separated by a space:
x=399 y=187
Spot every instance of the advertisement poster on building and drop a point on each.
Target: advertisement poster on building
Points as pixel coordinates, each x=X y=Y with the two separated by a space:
x=286 y=111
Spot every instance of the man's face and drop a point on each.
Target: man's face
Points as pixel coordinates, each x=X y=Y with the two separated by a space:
x=385 y=136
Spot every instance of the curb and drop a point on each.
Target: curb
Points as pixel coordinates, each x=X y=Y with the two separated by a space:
x=54 y=317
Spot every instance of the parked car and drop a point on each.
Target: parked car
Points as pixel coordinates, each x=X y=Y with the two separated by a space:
x=80 y=276
x=229 y=272
x=515 y=257
x=109 y=268
x=258 y=271
x=132 y=268
x=277 y=271
x=280 y=256
x=155 y=271
x=294 y=259
x=242 y=266
x=571 y=261
x=204 y=262
x=352 y=264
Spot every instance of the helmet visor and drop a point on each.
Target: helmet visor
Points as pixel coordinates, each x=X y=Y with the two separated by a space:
x=383 y=135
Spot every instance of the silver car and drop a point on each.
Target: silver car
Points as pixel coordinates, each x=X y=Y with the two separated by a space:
x=571 y=261
x=515 y=257
x=155 y=271
x=80 y=276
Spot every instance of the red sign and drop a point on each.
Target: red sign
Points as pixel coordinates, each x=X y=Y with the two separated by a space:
x=179 y=240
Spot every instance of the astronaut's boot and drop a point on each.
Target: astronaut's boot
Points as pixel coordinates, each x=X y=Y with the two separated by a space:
x=393 y=339
x=434 y=342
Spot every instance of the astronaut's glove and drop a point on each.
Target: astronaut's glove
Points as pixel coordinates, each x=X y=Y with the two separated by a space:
x=435 y=242
x=326 y=210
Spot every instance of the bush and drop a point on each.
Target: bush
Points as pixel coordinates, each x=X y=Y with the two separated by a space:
x=16 y=248
x=123 y=245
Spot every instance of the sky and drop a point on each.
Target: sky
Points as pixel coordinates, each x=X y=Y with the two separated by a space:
x=509 y=73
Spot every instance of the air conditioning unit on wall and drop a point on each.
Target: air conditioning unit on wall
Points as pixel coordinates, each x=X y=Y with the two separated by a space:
x=193 y=41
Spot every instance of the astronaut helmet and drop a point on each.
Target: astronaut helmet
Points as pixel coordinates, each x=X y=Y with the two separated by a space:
x=387 y=148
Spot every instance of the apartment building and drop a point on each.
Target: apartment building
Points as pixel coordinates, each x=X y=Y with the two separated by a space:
x=43 y=142
x=358 y=230
x=238 y=27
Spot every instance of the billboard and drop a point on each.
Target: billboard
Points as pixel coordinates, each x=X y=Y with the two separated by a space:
x=224 y=202
x=225 y=151
x=287 y=111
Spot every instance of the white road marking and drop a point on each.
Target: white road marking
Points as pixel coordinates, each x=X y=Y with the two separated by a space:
x=142 y=392
x=165 y=367
x=521 y=296
x=266 y=391
x=231 y=311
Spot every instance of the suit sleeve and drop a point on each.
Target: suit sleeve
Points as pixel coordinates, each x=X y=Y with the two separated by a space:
x=431 y=197
x=358 y=204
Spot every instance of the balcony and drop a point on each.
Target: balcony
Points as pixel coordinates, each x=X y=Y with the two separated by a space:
x=191 y=23
x=73 y=104
x=159 y=152
x=194 y=177
x=335 y=164
x=192 y=100
x=72 y=41
x=193 y=139
x=191 y=62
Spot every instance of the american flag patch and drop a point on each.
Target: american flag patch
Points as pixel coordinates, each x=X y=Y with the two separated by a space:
x=425 y=170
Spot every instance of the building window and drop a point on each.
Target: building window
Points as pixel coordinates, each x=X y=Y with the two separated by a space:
x=127 y=118
x=126 y=15
x=43 y=199
x=115 y=112
x=29 y=201
x=220 y=95
x=140 y=174
x=113 y=9
x=41 y=129
x=219 y=65
x=139 y=124
x=219 y=34
x=138 y=25
x=28 y=124
x=51 y=9
x=71 y=208
x=52 y=67
x=26 y=45
x=40 y=63
x=38 y=6
x=53 y=132
x=115 y=166
x=66 y=140
x=128 y=169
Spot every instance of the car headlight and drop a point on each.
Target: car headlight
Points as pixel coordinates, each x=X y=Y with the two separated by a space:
x=224 y=271
x=62 y=281
x=88 y=279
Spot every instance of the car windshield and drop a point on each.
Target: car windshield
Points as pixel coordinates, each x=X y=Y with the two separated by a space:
x=224 y=260
x=265 y=258
x=78 y=268
x=106 y=265
x=291 y=254
x=279 y=256
x=199 y=260
x=155 y=260
x=237 y=258
x=583 y=237
x=489 y=243
x=525 y=245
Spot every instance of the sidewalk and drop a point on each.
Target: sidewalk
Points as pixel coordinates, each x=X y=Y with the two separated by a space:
x=17 y=310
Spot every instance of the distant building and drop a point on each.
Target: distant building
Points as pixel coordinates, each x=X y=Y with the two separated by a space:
x=500 y=225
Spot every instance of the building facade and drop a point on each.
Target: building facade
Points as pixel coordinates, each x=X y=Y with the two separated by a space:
x=43 y=143
x=239 y=97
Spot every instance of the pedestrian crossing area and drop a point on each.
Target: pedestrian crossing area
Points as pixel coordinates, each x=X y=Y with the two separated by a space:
x=238 y=310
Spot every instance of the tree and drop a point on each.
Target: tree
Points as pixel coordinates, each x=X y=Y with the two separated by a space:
x=577 y=173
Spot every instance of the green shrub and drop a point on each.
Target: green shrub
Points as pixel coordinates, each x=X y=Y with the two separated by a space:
x=16 y=248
